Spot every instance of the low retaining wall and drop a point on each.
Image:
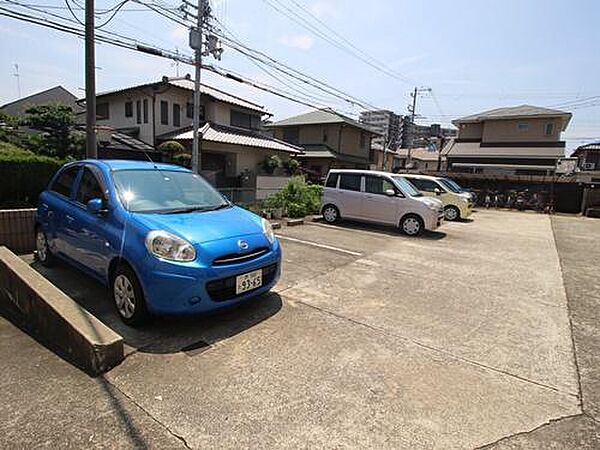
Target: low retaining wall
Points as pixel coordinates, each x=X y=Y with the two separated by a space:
x=56 y=319
x=16 y=230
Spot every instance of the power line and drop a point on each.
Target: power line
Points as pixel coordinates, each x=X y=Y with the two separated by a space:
x=134 y=46
x=374 y=62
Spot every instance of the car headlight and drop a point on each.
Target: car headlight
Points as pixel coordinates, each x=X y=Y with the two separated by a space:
x=168 y=246
x=268 y=230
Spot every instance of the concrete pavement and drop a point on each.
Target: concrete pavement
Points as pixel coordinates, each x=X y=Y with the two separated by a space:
x=459 y=339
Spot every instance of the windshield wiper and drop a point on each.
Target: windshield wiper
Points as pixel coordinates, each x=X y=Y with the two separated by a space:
x=196 y=209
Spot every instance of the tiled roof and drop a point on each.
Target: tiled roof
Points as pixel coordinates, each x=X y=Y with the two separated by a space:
x=235 y=136
x=320 y=117
x=188 y=84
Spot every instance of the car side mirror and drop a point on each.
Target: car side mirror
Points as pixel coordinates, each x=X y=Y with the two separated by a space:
x=96 y=206
x=437 y=191
x=390 y=192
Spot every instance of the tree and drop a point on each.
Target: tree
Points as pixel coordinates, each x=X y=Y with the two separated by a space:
x=57 y=124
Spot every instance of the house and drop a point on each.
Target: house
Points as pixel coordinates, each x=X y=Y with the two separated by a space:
x=422 y=160
x=381 y=159
x=520 y=140
x=588 y=156
x=329 y=140
x=233 y=142
x=55 y=95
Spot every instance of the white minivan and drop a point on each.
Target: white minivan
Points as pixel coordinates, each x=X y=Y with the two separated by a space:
x=380 y=197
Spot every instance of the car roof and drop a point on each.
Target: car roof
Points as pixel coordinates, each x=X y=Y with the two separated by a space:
x=362 y=172
x=416 y=175
x=125 y=164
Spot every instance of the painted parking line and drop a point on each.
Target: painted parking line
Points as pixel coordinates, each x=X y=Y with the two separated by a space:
x=316 y=244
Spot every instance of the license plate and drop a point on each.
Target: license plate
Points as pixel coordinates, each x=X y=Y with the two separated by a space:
x=248 y=281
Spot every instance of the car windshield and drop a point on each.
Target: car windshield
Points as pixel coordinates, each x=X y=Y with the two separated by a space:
x=451 y=185
x=406 y=186
x=166 y=192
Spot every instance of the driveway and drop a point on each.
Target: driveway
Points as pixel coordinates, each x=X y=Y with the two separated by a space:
x=457 y=339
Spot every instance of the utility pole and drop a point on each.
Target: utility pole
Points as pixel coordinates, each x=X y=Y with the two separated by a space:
x=196 y=41
x=412 y=109
x=90 y=82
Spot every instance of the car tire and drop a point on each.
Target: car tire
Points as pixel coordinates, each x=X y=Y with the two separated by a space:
x=43 y=253
x=331 y=214
x=412 y=225
x=128 y=296
x=451 y=213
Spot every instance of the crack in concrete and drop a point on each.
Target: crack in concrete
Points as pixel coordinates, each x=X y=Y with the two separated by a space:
x=525 y=433
x=436 y=350
x=154 y=419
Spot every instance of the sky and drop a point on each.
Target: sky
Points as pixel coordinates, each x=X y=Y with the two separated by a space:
x=473 y=54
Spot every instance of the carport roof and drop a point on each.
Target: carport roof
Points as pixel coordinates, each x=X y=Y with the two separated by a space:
x=475 y=150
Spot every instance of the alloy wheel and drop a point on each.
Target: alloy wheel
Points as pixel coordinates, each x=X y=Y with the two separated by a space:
x=451 y=214
x=330 y=214
x=411 y=226
x=124 y=296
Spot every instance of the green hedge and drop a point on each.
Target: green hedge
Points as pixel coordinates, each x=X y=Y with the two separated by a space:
x=23 y=176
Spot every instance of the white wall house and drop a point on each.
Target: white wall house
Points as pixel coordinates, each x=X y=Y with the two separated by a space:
x=160 y=111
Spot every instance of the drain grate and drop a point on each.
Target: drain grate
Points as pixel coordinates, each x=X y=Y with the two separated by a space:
x=196 y=348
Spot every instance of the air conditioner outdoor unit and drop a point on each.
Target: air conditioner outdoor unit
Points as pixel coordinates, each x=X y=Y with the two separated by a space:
x=589 y=166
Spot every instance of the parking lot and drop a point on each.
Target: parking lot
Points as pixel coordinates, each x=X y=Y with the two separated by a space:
x=457 y=339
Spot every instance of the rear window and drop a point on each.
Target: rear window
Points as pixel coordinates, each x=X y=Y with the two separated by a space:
x=64 y=182
x=332 y=180
x=350 y=182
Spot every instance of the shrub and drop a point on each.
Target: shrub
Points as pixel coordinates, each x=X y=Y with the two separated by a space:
x=23 y=175
x=298 y=197
x=291 y=166
x=271 y=163
x=171 y=148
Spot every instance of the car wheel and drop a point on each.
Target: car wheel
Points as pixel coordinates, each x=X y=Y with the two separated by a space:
x=331 y=214
x=412 y=225
x=128 y=296
x=43 y=253
x=451 y=213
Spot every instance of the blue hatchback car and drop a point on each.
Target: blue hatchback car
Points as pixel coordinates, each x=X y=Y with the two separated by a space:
x=161 y=237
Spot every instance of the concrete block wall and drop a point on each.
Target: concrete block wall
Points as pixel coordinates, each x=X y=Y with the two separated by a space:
x=16 y=230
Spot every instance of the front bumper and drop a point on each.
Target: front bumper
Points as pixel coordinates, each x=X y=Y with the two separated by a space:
x=434 y=220
x=180 y=289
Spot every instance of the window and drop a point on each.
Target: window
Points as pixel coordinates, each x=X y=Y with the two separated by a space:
x=138 y=111
x=549 y=129
x=523 y=126
x=189 y=111
x=377 y=185
x=176 y=115
x=128 y=109
x=350 y=182
x=89 y=187
x=291 y=135
x=102 y=111
x=425 y=185
x=64 y=182
x=164 y=112
x=332 y=180
x=325 y=137
x=244 y=120
x=145 y=110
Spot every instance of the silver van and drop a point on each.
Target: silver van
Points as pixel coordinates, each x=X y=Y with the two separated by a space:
x=381 y=197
